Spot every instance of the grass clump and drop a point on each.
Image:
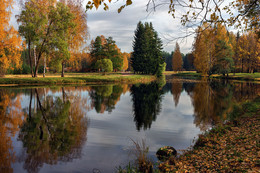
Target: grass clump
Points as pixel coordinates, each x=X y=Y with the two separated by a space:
x=142 y=163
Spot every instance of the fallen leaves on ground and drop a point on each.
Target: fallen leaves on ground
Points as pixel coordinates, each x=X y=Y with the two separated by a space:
x=233 y=147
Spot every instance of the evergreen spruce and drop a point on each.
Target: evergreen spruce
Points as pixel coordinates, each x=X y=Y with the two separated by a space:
x=147 y=55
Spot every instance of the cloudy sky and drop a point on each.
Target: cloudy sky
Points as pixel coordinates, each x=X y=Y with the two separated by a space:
x=121 y=26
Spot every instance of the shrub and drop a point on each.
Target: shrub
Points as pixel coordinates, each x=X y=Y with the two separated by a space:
x=105 y=65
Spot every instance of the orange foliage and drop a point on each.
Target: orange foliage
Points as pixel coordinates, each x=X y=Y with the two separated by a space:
x=11 y=118
x=80 y=32
x=10 y=42
x=176 y=91
x=79 y=61
x=126 y=56
x=204 y=49
x=177 y=59
x=248 y=51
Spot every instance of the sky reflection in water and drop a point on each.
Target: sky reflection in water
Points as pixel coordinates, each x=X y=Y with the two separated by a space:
x=81 y=129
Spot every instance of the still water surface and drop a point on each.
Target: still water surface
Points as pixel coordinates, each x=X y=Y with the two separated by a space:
x=91 y=128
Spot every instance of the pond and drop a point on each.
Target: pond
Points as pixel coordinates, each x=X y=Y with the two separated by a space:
x=92 y=128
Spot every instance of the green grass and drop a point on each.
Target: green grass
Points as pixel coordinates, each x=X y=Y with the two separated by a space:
x=73 y=78
x=237 y=76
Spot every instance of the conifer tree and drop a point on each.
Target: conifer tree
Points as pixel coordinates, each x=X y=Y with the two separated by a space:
x=147 y=55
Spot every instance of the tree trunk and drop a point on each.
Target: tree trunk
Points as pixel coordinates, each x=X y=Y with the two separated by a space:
x=44 y=66
x=30 y=57
x=35 y=63
x=62 y=71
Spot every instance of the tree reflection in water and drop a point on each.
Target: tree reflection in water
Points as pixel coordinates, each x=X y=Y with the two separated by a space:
x=105 y=97
x=213 y=101
x=53 y=128
x=11 y=117
x=54 y=132
x=147 y=100
x=176 y=91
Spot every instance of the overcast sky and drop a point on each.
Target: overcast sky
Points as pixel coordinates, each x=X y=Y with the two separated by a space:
x=121 y=26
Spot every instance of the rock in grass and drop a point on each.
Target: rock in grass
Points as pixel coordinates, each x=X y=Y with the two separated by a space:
x=165 y=152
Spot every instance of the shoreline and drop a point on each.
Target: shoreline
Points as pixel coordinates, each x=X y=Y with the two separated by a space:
x=237 y=76
x=77 y=79
x=232 y=146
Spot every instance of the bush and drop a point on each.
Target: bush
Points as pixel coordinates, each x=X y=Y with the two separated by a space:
x=161 y=69
x=105 y=65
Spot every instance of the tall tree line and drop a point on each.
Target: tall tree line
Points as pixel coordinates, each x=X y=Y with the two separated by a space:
x=218 y=51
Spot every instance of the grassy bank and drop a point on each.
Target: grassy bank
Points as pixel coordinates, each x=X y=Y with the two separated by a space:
x=232 y=147
x=75 y=78
x=236 y=76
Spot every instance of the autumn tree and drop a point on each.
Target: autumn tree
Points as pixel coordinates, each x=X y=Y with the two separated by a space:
x=126 y=57
x=223 y=52
x=147 y=47
x=78 y=34
x=233 y=40
x=204 y=49
x=80 y=61
x=10 y=42
x=177 y=59
x=46 y=26
x=248 y=51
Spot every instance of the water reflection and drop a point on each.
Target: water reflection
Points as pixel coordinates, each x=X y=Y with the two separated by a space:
x=52 y=126
x=176 y=91
x=104 y=98
x=11 y=117
x=213 y=101
x=146 y=104
x=54 y=131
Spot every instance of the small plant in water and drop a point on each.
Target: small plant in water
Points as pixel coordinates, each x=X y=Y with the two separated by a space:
x=140 y=150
